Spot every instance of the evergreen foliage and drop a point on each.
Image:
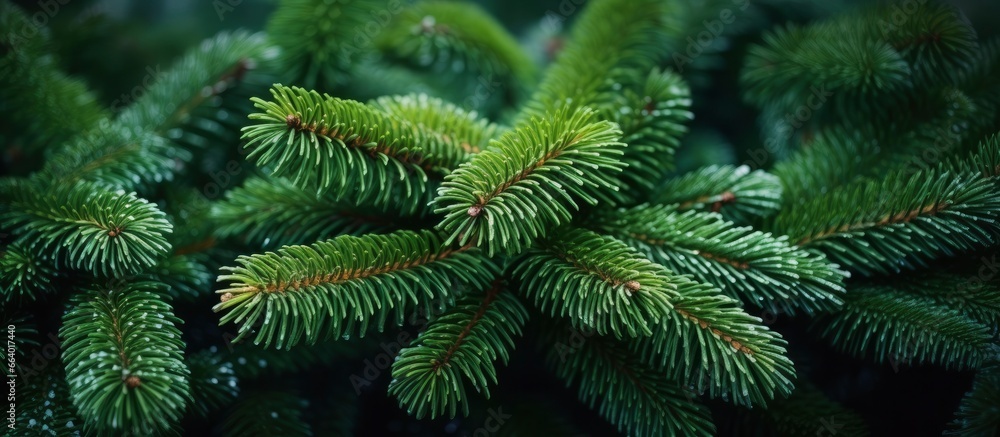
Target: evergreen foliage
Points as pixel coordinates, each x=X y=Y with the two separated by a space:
x=458 y=345
x=85 y=227
x=129 y=376
x=383 y=224
x=758 y=268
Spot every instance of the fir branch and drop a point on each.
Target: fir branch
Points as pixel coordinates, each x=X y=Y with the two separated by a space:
x=464 y=129
x=936 y=40
x=807 y=412
x=976 y=299
x=186 y=276
x=254 y=362
x=979 y=412
x=44 y=407
x=652 y=117
x=372 y=79
x=984 y=160
x=26 y=276
x=305 y=292
x=266 y=414
x=709 y=343
x=346 y=147
x=114 y=156
x=834 y=157
x=980 y=84
x=597 y=283
x=611 y=42
x=213 y=382
x=320 y=40
x=760 y=269
x=270 y=212
x=216 y=66
x=124 y=359
x=460 y=345
x=450 y=37
x=42 y=106
x=899 y=327
x=106 y=233
x=636 y=397
x=903 y=221
x=850 y=63
x=740 y=195
x=530 y=180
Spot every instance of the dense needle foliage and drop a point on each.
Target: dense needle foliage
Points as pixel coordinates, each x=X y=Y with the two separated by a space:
x=479 y=220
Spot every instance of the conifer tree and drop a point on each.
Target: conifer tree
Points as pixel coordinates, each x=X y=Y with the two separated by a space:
x=339 y=188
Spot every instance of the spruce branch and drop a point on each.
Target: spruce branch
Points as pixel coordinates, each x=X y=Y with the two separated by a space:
x=638 y=398
x=303 y=293
x=44 y=409
x=354 y=150
x=124 y=359
x=806 y=412
x=612 y=42
x=213 y=382
x=903 y=221
x=268 y=413
x=466 y=129
x=270 y=212
x=449 y=37
x=834 y=157
x=760 y=269
x=984 y=160
x=740 y=195
x=116 y=157
x=26 y=276
x=597 y=283
x=86 y=227
x=979 y=412
x=652 y=117
x=530 y=180
x=960 y=290
x=979 y=83
x=319 y=55
x=896 y=326
x=935 y=39
x=854 y=66
x=459 y=346
x=709 y=343
x=42 y=106
x=216 y=66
